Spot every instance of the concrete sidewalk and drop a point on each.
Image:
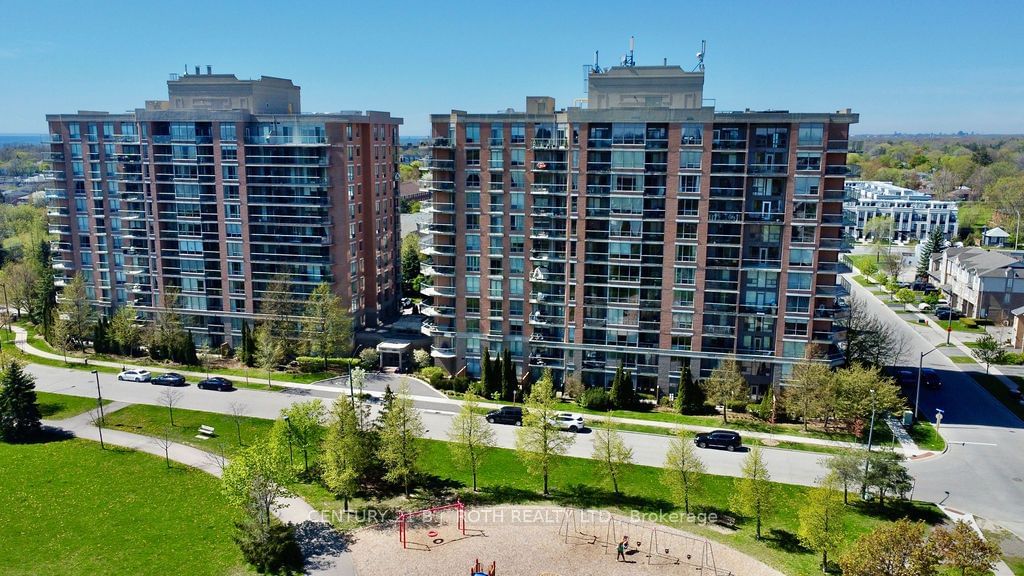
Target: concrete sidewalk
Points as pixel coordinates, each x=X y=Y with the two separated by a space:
x=325 y=549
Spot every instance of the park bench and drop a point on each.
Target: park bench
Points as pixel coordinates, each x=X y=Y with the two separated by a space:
x=726 y=521
x=205 y=432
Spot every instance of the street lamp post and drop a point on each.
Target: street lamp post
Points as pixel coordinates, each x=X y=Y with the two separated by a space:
x=291 y=456
x=917 y=395
x=7 y=309
x=867 y=460
x=99 y=404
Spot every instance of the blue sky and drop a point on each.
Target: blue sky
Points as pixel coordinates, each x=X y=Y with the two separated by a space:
x=907 y=66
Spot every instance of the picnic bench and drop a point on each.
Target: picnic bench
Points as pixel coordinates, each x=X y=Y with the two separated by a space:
x=726 y=521
x=205 y=432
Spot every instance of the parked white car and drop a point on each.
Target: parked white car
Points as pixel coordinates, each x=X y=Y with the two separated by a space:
x=135 y=375
x=568 y=421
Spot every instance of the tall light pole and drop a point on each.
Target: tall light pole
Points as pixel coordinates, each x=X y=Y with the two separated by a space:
x=1016 y=235
x=99 y=404
x=291 y=456
x=920 y=367
x=7 y=309
x=867 y=460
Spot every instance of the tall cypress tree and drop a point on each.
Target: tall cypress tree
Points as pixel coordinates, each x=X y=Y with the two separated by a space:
x=19 y=413
x=485 y=371
x=622 y=389
x=508 y=377
x=246 y=348
x=691 y=397
x=931 y=245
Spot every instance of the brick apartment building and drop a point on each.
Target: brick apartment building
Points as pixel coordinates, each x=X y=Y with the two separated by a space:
x=647 y=229
x=217 y=190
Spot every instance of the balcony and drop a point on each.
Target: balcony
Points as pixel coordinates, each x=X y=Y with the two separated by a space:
x=55 y=194
x=438 y=164
x=838 y=145
x=442 y=143
x=438 y=311
x=851 y=171
x=442 y=291
x=549 y=143
x=834 y=244
x=769 y=168
x=762 y=263
x=442 y=352
x=723 y=144
x=438 y=207
x=760 y=216
x=274 y=140
x=55 y=139
x=440 y=185
x=831 y=291
x=435 y=270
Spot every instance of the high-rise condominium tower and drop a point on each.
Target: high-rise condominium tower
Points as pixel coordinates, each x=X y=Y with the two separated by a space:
x=219 y=190
x=646 y=229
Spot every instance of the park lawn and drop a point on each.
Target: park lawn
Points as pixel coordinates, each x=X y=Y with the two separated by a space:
x=155 y=420
x=859 y=261
x=503 y=478
x=576 y=483
x=862 y=281
x=61 y=406
x=70 y=508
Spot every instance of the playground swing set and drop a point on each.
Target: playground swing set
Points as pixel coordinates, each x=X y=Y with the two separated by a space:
x=662 y=546
x=433 y=518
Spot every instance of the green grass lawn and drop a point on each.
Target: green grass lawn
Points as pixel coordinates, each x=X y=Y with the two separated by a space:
x=862 y=281
x=958 y=326
x=1001 y=392
x=926 y=437
x=962 y=360
x=69 y=508
x=61 y=406
x=154 y=420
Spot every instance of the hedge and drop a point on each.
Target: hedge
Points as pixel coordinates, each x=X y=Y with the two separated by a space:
x=310 y=364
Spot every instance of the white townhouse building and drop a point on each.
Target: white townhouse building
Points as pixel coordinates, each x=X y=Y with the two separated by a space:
x=914 y=213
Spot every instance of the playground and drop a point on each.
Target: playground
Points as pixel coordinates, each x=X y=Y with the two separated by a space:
x=539 y=541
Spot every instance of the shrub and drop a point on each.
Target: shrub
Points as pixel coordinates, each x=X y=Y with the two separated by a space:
x=869 y=269
x=969 y=322
x=310 y=364
x=1014 y=358
x=434 y=375
x=460 y=384
x=272 y=550
x=739 y=407
x=594 y=399
x=369 y=359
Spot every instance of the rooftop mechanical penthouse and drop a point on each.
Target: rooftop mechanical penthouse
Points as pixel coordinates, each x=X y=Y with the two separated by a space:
x=219 y=189
x=646 y=229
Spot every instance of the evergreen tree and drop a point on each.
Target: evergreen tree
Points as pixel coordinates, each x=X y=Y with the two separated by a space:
x=101 y=336
x=246 y=351
x=931 y=245
x=508 y=376
x=19 y=413
x=690 y=399
x=485 y=370
x=622 y=394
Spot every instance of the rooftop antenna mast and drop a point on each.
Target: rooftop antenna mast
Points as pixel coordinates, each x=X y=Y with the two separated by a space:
x=627 y=59
x=700 y=56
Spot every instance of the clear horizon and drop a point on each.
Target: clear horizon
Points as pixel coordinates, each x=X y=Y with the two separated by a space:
x=945 y=69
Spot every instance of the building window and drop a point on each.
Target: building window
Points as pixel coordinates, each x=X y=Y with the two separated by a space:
x=228 y=132
x=811 y=134
x=689 y=160
x=808 y=161
x=496 y=134
x=497 y=159
x=807 y=185
x=623 y=133
x=518 y=134
x=689 y=184
x=799 y=281
x=472 y=133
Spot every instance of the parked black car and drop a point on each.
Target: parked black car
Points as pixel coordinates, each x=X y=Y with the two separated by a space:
x=930 y=379
x=947 y=314
x=506 y=415
x=906 y=377
x=924 y=287
x=169 y=379
x=719 y=439
x=215 y=383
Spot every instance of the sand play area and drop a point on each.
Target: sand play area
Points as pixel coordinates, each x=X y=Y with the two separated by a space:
x=543 y=541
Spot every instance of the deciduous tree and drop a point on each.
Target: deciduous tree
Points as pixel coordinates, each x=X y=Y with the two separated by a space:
x=470 y=437
x=848 y=469
x=893 y=549
x=806 y=395
x=303 y=422
x=326 y=324
x=399 y=440
x=964 y=550
x=269 y=352
x=887 y=474
x=988 y=350
x=76 y=312
x=124 y=330
x=755 y=493
x=821 y=519
x=611 y=452
x=539 y=441
x=684 y=470
x=170 y=399
x=725 y=385
x=345 y=454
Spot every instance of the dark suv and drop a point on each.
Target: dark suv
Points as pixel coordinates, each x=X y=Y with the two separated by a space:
x=930 y=379
x=719 y=439
x=506 y=415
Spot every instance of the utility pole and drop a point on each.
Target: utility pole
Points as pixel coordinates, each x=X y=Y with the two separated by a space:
x=867 y=460
x=920 y=367
x=7 y=309
x=99 y=404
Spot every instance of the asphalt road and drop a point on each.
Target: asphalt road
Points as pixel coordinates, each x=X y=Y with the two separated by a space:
x=983 y=470
x=789 y=466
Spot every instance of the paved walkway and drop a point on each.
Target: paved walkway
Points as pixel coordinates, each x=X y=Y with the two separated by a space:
x=1001 y=569
x=326 y=550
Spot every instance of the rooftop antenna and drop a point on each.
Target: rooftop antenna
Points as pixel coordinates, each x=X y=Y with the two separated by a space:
x=597 y=67
x=627 y=60
x=700 y=56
